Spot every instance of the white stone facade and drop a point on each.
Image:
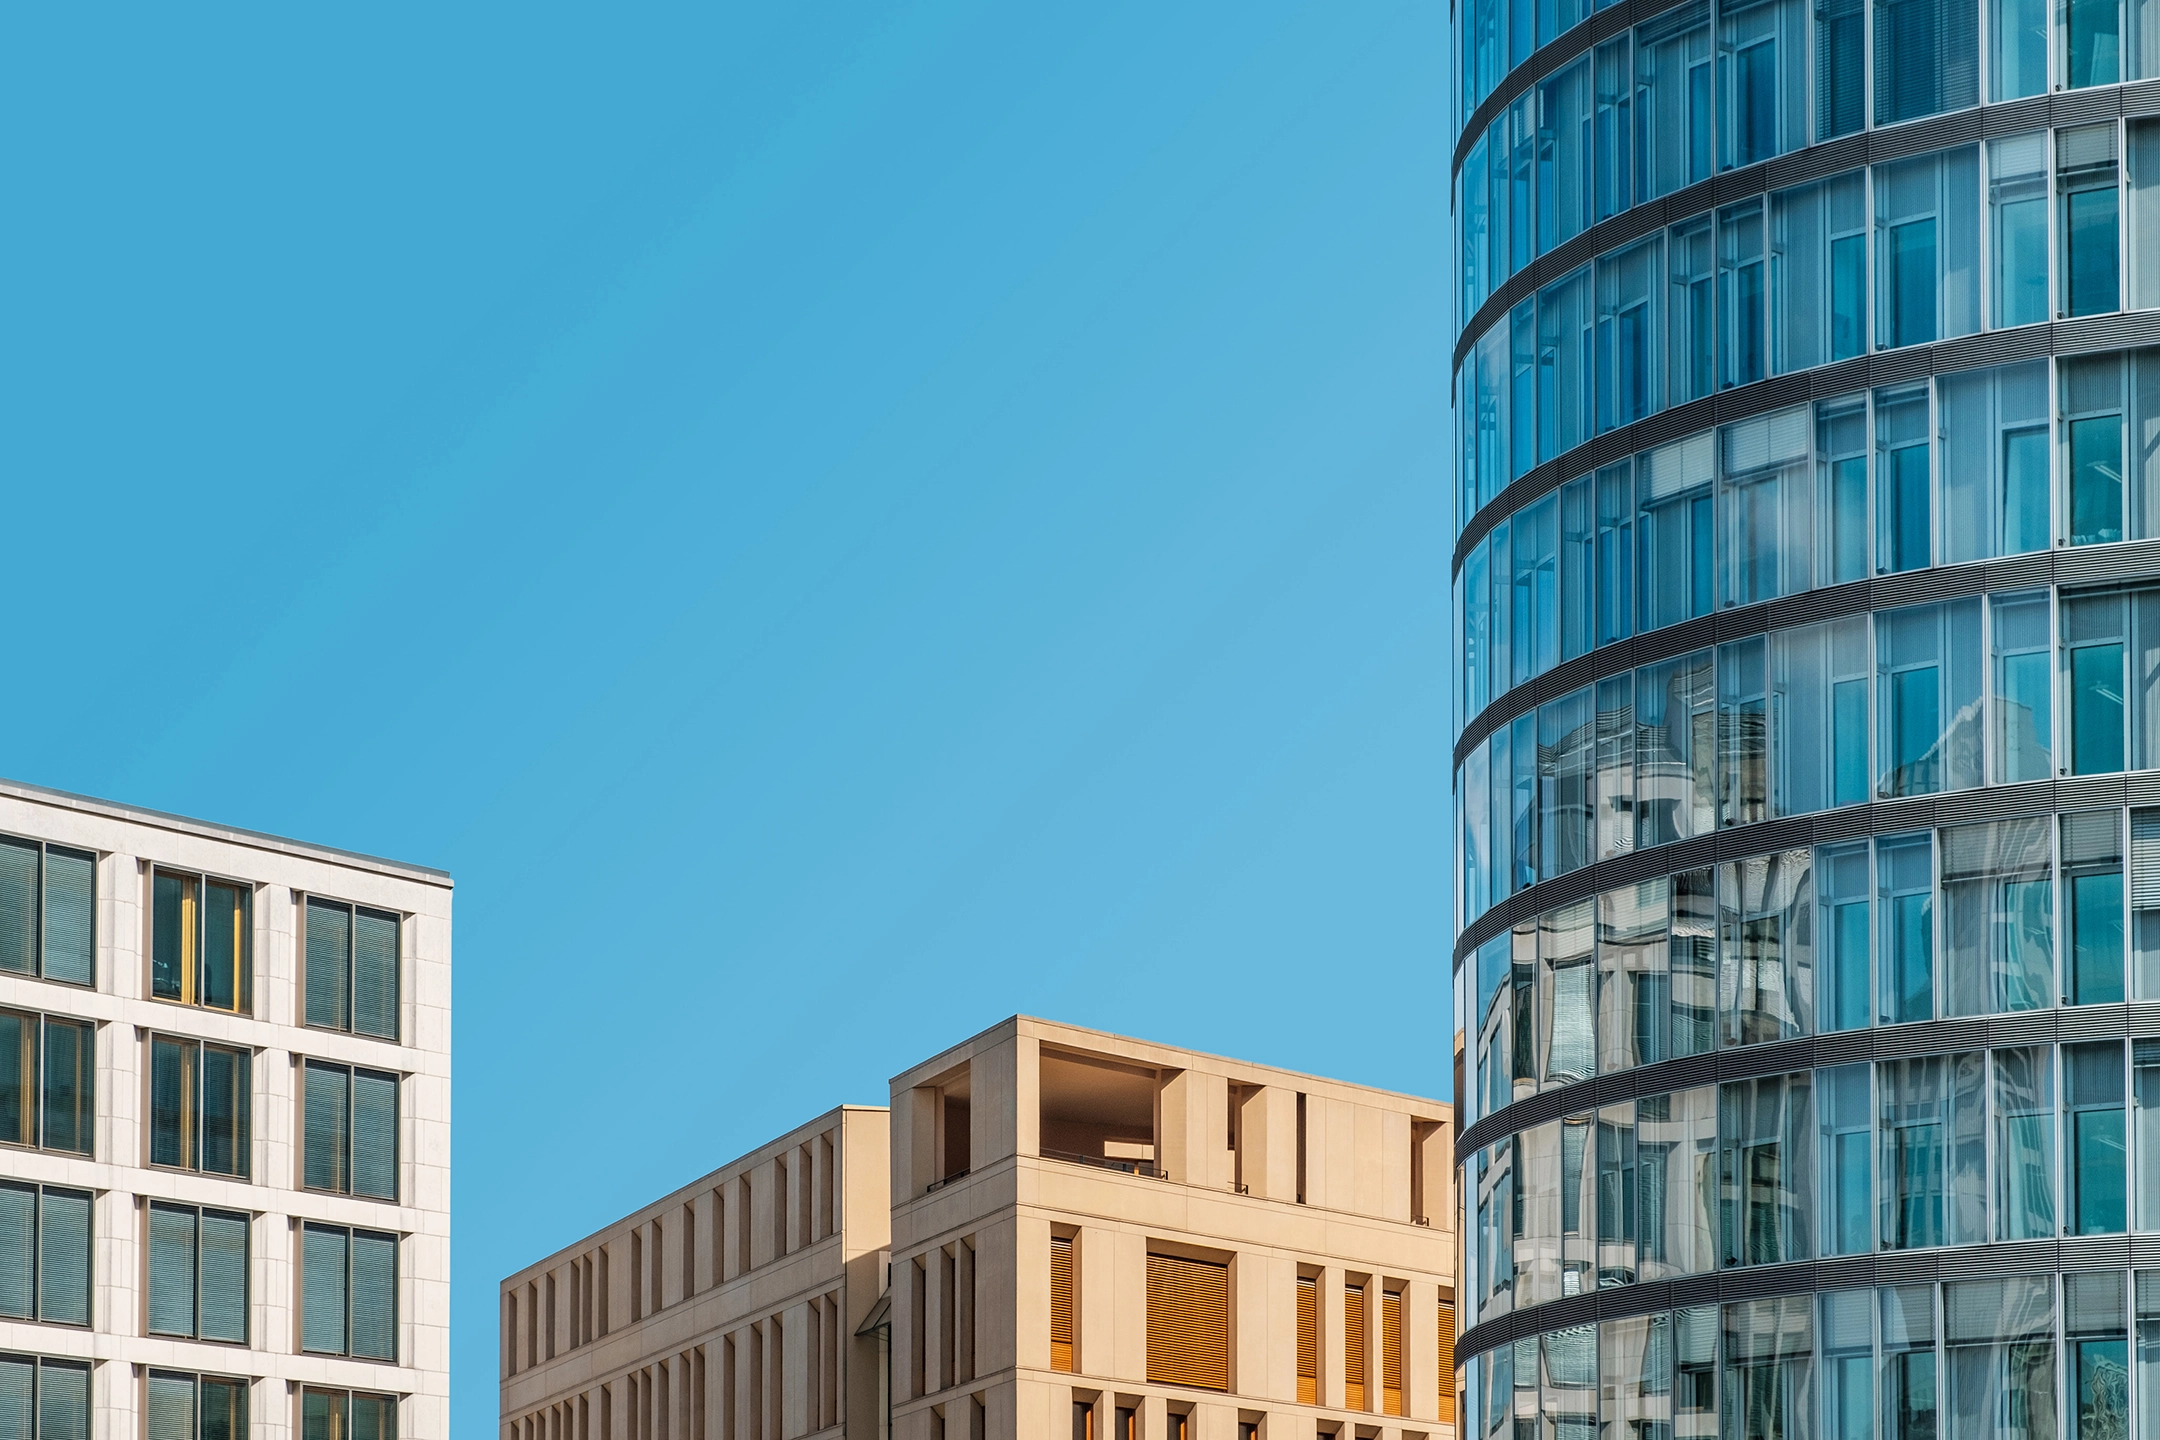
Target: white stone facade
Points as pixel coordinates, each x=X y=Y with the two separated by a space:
x=130 y=846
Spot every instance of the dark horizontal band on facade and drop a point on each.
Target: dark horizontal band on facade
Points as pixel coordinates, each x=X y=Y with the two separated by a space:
x=1797 y=167
x=2080 y=565
x=1847 y=1272
x=2137 y=1019
x=2127 y=330
x=1853 y=822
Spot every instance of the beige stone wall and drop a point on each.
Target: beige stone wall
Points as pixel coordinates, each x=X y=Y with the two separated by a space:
x=724 y=1311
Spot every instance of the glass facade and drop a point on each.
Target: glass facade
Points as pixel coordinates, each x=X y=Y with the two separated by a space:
x=1806 y=590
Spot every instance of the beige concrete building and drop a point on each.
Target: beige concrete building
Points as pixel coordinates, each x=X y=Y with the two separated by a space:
x=1085 y=1237
x=224 y=1132
x=726 y=1308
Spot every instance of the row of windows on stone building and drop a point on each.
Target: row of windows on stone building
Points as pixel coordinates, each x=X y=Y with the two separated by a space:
x=1921 y=700
x=202 y=940
x=2020 y=230
x=1994 y=918
x=1686 y=94
x=2023 y=1357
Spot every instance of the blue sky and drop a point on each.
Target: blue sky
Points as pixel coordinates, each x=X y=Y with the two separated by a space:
x=808 y=513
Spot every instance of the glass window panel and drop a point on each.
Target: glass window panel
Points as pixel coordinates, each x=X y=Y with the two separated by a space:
x=1841 y=461
x=70 y=916
x=2085 y=179
x=1767 y=975
x=2024 y=684
x=2017 y=62
x=375 y=1133
x=2000 y=1350
x=1675 y=712
x=1840 y=68
x=2017 y=216
x=1743 y=296
x=1998 y=917
x=1902 y=479
x=1676 y=1148
x=226 y=943
x=1676 y=502
x=18 y=1389
x=2145 y=1100
x=322 y=1415
x=1927 y=245
x=1818 y=722
x=1565 y=342
x=1627 y=334
x=1567 y=747
x=18 y=1251
x=1767 y=501
x=2142 y=442
x=70 y=1110
x=329 y=965
x=224 y=1276
x=2093 y=655
x=1929 y=687
x=323 y=1273
x=1926 y=58
x=173 y=933
x=1762 y=80
x=1577 y=535
x=374 y=1417
x=2093 y=897
x=1522 y=802
x=1613 y=130
x=1536 y=598
x=2024 y=1144
x=1615 y=553
x=1993 y=429
x=18 y=905
x=171 y=1406
x=1615 y=785
x=1818 y=273
x=328 y=1127
x=1634 y=1023
x=2092 y=405
x=1690 y=311
x=2096 y=1326
x=172 y=1102
x=1521 y=179
x=172 y=1270
x=64 y=1257
x=1766 y=1180
x=224 y=1409
x=2097 y=1165
x=1847 y=1160
x=1769 y=1381
x=1563 y=156
x=1842 y=886
x=2092 y=43
x=63 y=1401
x=1692 y=952
x=226 y=1107
x=1743 y=735
x=2142 y=180
x=1522 y=388
x=1567 y=978
x=1672 y=100
x=1848 y=1335
x=18 y=1078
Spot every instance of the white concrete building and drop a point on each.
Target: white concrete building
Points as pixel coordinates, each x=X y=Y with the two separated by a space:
x=224 y=1132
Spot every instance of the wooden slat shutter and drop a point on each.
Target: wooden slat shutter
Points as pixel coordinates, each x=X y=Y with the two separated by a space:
x=1447 y=1363
x=1308 y=1340
x=1391 y=1352
x=1061 y=1303
x=1188 y=1322
x=1353 y=1347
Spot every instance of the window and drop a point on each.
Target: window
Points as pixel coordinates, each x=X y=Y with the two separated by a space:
x=2024 y=680
x=48 y=908
x=1905 y=873
x=1841 y=450
x=2025 y=1143
x=347 y=1415
x=2096 y=1169
x=1446 y=1411
x=1765 y=941
x=1615 y=552
x=2145 y=907
x=1308 y=1340
x=1615 y=785
x=1902 y=481
x=2092 y=864
x=1690 y=311
x=198 y=1273
x=44 y=1399
x=1743 y=295
x=1767 y=495
x=2142 y=176
x=1927 y=243
x=1674 y=495
x=1565 y=341
x=1563 y=160
x=1391 y=1357
x=351 y=1131
x=1566 y=753
x=1627 y=335
x=1576 y=585
x=1840 y=70
x=2096 y=1329
x=2092 y=408
x=1766 y=1179
x=1675 y=715
x=1567 y=972
x=1536 y=601
x=48 y=1082
x=199 y=1106
x=1673 y=100
x=1927 y=686
x=1847 y=1331
x=2017 y=219
x=1998 y=917
x=202 y=938
x=2111 y=708
x=1354 y=1358
x=352 y=969
x=1993 y=429
x=1522 y=388
x=2091 y=239
x=1932 y=1138
x=1612 y=136
x=1818 y=273
x=1188 y=1322
x=2092 y=43
x=1842 y=885
x=1848 y=1194
x=1762 y=80
x=196 y=1407
x=1999 y=1342
x=1927 y=58
x=45 y=1254
x=2145 y=1097
x=1061 y=1303
x=2017 y=62
x=1910 y=1379
x=348 y=1292
x=1769 y=1362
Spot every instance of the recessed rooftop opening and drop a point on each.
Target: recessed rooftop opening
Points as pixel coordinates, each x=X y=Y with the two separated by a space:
x=1098 y=1110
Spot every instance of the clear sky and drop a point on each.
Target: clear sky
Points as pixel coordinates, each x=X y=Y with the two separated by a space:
x=835 y=523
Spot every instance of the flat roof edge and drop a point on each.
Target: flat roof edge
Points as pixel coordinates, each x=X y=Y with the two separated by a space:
x=234 y=834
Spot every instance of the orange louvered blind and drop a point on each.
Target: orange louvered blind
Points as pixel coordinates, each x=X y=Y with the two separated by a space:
x=1061 y=1303
x=1447 y=1363
x=1353 y=1347
x=1391 y=1352
x=1308 y=1341
x=1188 y=1322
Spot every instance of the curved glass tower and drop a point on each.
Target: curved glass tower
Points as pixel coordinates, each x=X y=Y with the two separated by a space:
x=1807 y=770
